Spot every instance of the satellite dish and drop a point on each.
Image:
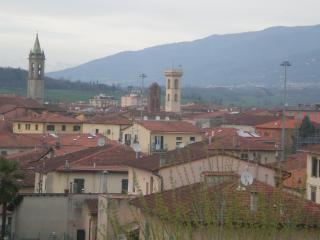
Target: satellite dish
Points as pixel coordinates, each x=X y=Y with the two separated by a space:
x=101 y=142
x=246 y=178
x=136 y=147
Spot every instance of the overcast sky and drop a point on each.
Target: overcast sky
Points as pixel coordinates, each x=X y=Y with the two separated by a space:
x=76 y=31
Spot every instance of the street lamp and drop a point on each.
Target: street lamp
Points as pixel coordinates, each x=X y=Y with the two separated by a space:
x=284 y=64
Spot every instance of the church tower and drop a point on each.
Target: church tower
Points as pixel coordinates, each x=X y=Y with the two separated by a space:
x=36 y=72
x=173 y=90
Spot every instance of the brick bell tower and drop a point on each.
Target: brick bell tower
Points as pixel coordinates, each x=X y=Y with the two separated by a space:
x=36 y=72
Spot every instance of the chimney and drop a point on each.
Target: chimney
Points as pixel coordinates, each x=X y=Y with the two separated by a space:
x=67 y=165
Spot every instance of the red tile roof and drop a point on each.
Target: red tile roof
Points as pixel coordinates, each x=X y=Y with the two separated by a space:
x=170 y=126
x=5 y=126
x=90 y=158
x=277 y=124
x=20 y=101
x=11 y=140
x=239 y=143
x=296 y=164
x=247 y=119
x=48 y=118
x=7 y=108
x=189 y=153
x=114 y=119
x=313 y=149
x=189 y=203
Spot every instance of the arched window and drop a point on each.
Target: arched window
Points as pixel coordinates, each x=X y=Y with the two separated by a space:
x=176 y=84
x=176 y=97
x=168 y=86
x=168 y=98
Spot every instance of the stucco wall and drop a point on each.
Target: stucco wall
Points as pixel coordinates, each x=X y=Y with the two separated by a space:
x=94 y=182
x=43 y=129
x=103 y=129
x=143 y=179
x=312 y=181
x=39 y=215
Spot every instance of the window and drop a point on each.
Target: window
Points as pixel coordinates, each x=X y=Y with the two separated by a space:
x=97 y=131
x=313 y=194
x=63 y=128
x=76 y=128
x=4 y=153
x=81 y=234
x=254 y=201
x=244 y=156
x=147 y=188
x=27 y=126
x=151 y=184
x=176 y=84
x=176 y=97
x=108 y=131
x=168 y=86
x=178 y=141
x=168 y=98
x=314 y=167
x=50 y=127
x=192 y=139
x=78 y=185
x=36 y=127
x=19 y=126
x=124 y=185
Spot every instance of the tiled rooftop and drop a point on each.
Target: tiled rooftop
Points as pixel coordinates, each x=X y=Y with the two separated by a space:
x=170 y=126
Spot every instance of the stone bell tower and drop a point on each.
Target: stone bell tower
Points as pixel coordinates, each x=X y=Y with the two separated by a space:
x=173 y=90
x=36 y=72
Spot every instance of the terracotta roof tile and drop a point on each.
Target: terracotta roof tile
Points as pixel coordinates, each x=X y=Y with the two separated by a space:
x=247 y=119
x=7 y=108
x=169 y=126
x=48 y=118
x=20 y=101
x=239 y=143
x=108 y=155
x=109 y=119
x=277 y=124
x=190 y=202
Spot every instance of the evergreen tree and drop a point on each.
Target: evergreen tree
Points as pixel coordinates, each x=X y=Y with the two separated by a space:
x=9 y=187
x=306 y=129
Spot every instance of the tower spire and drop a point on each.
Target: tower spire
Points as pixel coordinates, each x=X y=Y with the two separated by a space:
x=36 y=47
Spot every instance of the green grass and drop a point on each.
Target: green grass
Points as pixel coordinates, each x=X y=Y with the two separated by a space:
x=67 y=95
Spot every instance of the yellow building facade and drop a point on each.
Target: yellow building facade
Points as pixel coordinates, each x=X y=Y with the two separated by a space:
x=152 y=141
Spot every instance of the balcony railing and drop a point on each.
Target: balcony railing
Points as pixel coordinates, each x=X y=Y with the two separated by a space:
x=159 y=148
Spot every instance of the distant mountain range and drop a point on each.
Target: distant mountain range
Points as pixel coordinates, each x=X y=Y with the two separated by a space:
x=241 y=59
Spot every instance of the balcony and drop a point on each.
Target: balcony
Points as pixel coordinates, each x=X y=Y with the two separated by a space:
x=158 y=148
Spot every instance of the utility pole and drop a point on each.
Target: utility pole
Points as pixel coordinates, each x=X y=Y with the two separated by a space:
x=285 y=64
x=142 y=76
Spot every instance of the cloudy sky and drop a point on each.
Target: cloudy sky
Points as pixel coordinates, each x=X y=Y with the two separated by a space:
x=76 y=31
